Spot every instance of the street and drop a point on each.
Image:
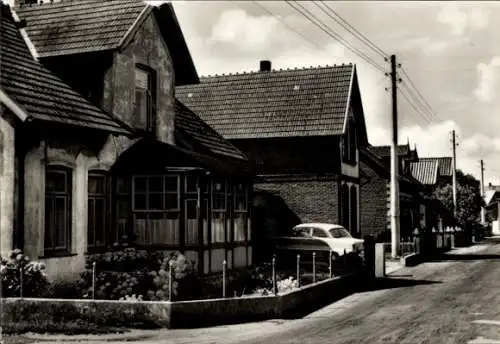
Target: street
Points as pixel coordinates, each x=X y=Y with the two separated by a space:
x=453 y=300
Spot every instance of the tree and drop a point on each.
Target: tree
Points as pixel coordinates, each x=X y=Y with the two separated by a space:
x=469 y=200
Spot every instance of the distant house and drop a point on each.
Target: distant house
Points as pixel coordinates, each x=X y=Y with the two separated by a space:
x=97 y=148
x=432 y=172
x=375 y=192
x=418 y=178
x=492 y=207
x=301 y=128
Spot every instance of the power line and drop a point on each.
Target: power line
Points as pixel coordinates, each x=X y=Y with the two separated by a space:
x=351 y=29
x=412 y=104
x=421 y=97
x=282 y=21
x=417 y=104
x=325 y=28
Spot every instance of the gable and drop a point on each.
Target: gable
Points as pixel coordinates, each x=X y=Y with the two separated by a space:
x=86 y=26
x=284 y=103
x=41 y=94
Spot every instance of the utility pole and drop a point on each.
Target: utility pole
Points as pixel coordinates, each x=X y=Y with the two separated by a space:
x=483 y=213
x=454 y=180
x=394 y=164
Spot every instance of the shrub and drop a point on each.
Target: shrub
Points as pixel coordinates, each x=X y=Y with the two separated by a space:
x=126 y=272
x=34 y=279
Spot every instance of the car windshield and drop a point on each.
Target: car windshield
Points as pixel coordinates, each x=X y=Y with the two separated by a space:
x=339 y=233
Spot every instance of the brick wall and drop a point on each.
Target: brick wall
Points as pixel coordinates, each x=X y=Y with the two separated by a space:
x=373 y=204
x=310 y=200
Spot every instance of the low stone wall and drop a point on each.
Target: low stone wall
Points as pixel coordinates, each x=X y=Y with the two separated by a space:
x=98 y=312
x=182 y=314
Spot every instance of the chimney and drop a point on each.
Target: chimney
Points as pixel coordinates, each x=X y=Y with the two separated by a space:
x=265 y=66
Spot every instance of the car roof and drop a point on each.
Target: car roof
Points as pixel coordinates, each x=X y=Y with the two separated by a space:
x=325 y=226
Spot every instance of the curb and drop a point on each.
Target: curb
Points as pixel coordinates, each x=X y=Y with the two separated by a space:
x=129 y=336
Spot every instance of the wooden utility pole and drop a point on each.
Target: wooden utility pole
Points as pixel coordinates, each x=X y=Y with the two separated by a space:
x=483 y=213
x=394 y=164
x=454 y=180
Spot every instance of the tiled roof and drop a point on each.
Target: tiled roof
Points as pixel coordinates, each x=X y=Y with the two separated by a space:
x=375 y=162
x=425 y=171
x=385 y=151
x=41 y=94
x=445 y=165
x=293 y=102
x=193 y=127
x=80 y=26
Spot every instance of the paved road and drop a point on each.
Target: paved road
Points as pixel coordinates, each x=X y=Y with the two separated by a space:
x=455 y=300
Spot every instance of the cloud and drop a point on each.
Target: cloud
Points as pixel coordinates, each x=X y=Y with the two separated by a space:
x=462 y=18
x=488 y=85
x=235 y=27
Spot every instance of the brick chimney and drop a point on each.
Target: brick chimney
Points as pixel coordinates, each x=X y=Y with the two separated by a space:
x=265 y=66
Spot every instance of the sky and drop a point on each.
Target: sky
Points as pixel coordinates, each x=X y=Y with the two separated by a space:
x=449 y=50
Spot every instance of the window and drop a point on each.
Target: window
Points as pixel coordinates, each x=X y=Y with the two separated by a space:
x=123 y=206
x=96 y=209
x=219 y=207
x=303 y=232
x=145 y=100
x=155 y=203
x=349 y=144
x=58 y=184
x=191 y=210
x=240 y=212
x=344 y=201
x=354 y=209
x=219 y=195
x=156 y=193
x=319 y=233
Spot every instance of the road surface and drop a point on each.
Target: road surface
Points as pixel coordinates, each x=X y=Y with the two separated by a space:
x=454 y=300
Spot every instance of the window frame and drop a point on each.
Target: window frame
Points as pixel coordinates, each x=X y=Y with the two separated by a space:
x=150 y=96
x=104 y=197
x=52 y=196
x=349 y=142
x=164 y=193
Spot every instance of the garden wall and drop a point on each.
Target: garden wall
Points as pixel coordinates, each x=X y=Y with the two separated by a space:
x=182 y=314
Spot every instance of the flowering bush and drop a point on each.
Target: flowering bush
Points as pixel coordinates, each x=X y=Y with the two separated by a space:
x=132 y=272
x=34 y=279
x=283 y=286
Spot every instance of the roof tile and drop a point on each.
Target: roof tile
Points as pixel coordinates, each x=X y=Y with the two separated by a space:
x=39 y=92
x=80 y=26
x=425 y=171
x=299 y=102
x=445 y=165
x=190 y=124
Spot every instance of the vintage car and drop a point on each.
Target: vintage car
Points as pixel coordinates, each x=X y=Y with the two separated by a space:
x=324 y=239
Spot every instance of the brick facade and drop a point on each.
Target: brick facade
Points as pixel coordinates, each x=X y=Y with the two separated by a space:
x=309 y=200
x=373 y=204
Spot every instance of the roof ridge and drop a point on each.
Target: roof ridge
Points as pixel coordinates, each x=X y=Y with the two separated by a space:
x=276 y=70
x=69 y=3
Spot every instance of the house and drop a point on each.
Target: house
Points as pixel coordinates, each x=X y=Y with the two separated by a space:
x=492 y=207
x=432 y=172
x=375 y=192
x=301 y=129
x=96 y=148
x=418 y=178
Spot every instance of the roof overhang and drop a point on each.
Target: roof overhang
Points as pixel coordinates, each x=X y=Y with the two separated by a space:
x=13 y=106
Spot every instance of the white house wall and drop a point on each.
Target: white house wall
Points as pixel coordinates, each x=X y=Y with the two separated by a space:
x=6 y=185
